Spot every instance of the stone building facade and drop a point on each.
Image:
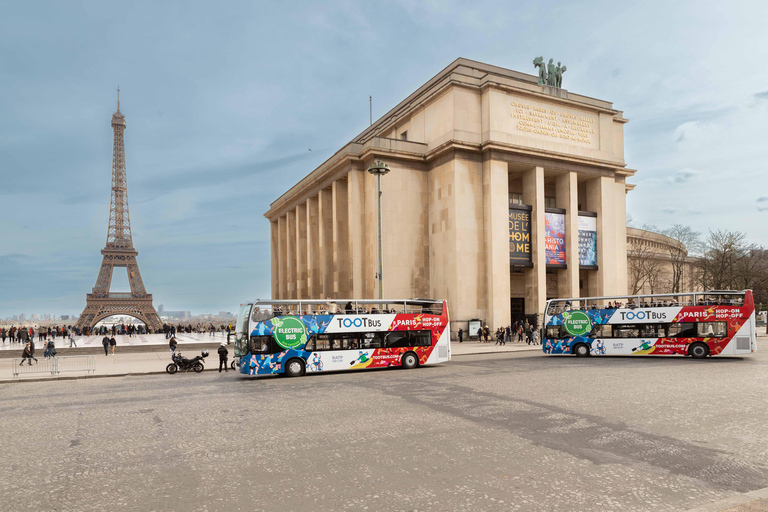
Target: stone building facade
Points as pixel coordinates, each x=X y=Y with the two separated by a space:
x=492 y=176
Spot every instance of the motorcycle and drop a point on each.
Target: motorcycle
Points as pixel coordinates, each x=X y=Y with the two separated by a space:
x=182 y=363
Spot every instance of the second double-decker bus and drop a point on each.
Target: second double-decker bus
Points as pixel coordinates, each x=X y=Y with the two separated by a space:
x=298 y=336
x=690 y=324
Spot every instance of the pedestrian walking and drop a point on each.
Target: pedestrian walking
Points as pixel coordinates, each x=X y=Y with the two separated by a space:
x=112 y=344
x=172 y=345
x=223 y=353
x=535 y=337
x=105 y=342
x=72 y=339
x=27 y=355
x=461 y=335
x=480 y=334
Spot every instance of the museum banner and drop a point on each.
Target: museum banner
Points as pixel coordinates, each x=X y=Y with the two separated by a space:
x=519 y=237
x=554 y=238
x=587 y=241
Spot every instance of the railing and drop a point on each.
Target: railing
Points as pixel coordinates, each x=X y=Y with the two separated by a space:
x=54 y=365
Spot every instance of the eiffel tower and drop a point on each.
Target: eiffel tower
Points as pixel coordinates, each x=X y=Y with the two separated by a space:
x=119 y=251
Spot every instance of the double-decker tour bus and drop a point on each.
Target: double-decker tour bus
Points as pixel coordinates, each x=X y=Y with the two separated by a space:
x=293 y=337
x=690 y=324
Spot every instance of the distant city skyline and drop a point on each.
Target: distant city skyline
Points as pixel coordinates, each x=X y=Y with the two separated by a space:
x=227 y=105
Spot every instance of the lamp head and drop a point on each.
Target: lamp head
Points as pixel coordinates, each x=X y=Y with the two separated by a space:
x=378 y=167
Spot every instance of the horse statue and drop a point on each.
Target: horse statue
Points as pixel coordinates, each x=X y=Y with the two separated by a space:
x=538 y=62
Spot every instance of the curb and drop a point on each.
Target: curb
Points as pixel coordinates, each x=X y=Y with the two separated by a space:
x=104 y=376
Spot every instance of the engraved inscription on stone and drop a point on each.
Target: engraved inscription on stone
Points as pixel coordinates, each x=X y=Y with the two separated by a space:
x=553 y=122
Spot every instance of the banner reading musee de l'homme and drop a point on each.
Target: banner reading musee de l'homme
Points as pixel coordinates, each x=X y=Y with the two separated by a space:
x=519 y=237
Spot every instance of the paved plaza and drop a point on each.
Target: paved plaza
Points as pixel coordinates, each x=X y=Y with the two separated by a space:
x=503 y=431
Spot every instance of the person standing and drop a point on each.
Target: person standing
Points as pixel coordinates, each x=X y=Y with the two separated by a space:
x=72 y=339
x=112 y=344
x=223 y=353
x=535 y=336
x=105 y=342
x=461 y=335
x=3 y=334
x=480 y=334
x=172 y=345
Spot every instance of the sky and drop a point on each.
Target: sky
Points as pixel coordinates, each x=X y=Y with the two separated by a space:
x=229 y=104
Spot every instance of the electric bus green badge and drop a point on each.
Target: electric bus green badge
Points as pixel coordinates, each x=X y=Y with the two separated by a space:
x=290 y=332
x=576 y=323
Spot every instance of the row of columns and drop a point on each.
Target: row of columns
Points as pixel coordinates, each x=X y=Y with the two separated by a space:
x=605 y=196
x=313 y=256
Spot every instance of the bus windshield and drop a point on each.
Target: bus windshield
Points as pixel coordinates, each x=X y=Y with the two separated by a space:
x=241 y=330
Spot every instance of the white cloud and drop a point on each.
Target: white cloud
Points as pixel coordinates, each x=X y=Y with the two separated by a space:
x=683 y=175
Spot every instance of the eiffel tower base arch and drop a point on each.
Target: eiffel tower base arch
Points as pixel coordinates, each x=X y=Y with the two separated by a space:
x=97 y=309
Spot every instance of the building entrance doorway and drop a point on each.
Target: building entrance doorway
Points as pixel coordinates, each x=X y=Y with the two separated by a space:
x=517 y=309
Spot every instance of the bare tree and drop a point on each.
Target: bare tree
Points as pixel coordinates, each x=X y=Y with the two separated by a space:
x=678 y=256
x=643 y=263
x=721 y=261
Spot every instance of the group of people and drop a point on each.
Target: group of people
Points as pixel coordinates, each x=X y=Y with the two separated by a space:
x=520 y=331
x=171 y=330
x=44 y=334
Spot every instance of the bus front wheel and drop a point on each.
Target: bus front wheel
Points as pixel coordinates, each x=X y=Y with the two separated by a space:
x=581 y=350
x=698 y=350
x=409 y=360
x=294 y=368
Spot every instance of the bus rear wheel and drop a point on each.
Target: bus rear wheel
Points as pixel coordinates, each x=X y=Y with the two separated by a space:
x=698 y=350
x=409 y=360
x=294 y=368
x=581 y=350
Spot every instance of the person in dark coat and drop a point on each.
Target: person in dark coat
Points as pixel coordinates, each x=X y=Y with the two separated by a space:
x=27 y=355
x=112 y=344
x=223 y=353
x=172 y=344
x=461 y=335
x=105 y=342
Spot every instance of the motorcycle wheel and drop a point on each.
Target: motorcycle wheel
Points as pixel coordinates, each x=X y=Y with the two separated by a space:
x=198 y=367
x=172 y=368
x=233 y=365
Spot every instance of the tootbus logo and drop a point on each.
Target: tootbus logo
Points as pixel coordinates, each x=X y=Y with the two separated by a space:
x=358 y=322
x=643 y=315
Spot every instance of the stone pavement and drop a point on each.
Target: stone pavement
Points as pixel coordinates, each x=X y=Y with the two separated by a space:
x=145 y=363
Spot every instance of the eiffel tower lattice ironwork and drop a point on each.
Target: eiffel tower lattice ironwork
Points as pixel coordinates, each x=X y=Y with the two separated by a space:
x=119 y=251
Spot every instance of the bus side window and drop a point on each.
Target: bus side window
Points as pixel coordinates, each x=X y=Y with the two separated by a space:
x=556 y=332
x=601 y=331
x=681 y=330
x=261 y=344
x=713 y=329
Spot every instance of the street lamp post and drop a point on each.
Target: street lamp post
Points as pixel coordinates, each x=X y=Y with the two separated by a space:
x=379 y=168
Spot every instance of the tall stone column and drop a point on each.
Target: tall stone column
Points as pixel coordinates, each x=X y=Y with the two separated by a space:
x=356 y=209
x=325 y=217
x=282 y=257
x=496 y=241
x=301 y=251
x=567 y=193
x=291 y=253
x=536 y=277
x=274 y=259
x=620 y=199
x=600 y=197
x=313 y=249
x=340 y=240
